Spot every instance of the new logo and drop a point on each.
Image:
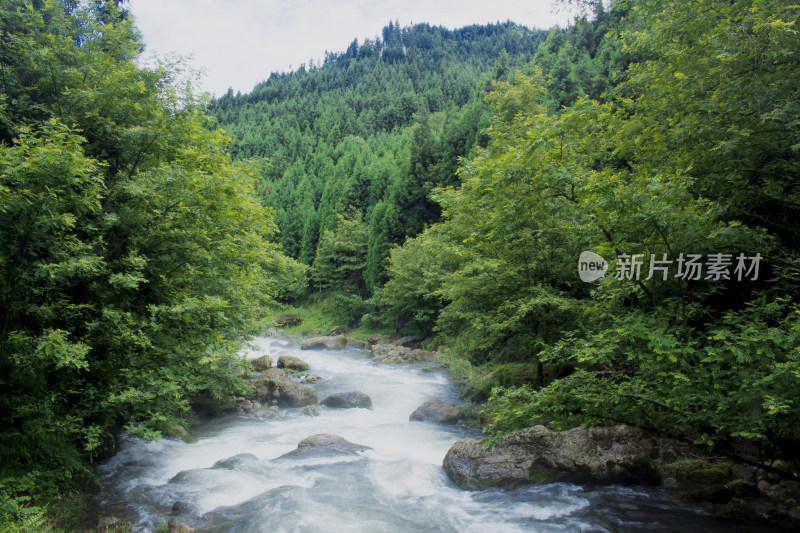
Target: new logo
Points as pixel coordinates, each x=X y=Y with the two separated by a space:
x=591 y=266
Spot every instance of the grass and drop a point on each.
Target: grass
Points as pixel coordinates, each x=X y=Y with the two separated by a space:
x=314 y=319
x=319 y=314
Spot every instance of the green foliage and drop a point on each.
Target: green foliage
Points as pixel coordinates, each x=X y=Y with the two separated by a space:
x=320 y=312
x=736 y=382
x=416 y=272
x=502 y=264
x=692 y=151
x=384 y=230
x=17 y=515
x=722 y=76
x=346 y=309
x=584 y=60
x=341 y=257
x=134 y=257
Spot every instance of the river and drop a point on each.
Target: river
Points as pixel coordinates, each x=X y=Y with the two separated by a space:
x=398 y=486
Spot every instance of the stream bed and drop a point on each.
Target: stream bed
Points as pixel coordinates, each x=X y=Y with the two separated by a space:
x=229 y=475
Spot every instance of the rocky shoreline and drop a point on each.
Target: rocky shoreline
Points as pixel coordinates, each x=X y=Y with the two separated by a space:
x=624 y=455
x=384 y=348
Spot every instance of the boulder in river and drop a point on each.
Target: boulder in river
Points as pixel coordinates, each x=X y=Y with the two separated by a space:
x=275 y=385
x=335 y=342
x=235 y=462
x=243 y=406
x=738 y=488
x=262 y=363
x=182 y=508
x=269 y=412
x=287 y=362
x=436 y=410
x=310 y=378
x=346 y=400
x=324 y=445
x=389 y=352
x=356 y=343
x=540 y=455
x=421 y=355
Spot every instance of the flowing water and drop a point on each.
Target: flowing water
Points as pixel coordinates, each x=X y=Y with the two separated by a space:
x=227 y=472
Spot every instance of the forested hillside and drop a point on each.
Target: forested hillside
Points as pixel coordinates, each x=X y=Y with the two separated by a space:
x=367 y=135
x=354 y=147
x=662 y=136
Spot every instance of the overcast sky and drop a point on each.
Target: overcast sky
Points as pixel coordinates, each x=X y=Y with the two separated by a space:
x=239 y=42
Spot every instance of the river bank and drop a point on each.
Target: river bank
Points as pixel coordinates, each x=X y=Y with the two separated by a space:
x=733 y=490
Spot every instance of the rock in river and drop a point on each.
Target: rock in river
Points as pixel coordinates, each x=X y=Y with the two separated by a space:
x=540 y=455
x=324 y=445
x=176 y=526
x=262 y=363
x=236 y=462
x=436 y=410
x=288 y=362
x=356 y=343
x=335 y=342
x=310 y=378
x=389 y=352
x=112 y=523
x=182 y=508
x=332 y=342
x=346 y=400
x=274 y=384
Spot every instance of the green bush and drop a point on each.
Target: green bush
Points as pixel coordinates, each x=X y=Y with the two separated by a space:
x=17 y=512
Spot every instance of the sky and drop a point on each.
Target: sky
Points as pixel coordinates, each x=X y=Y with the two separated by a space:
x=238 y=43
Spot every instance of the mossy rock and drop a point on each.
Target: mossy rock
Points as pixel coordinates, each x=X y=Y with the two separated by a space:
x=697 y=473
x=542 y=476
x=262 y=363
x=177 y=431
x=723 y=493
x=292 y=364
x=540 y=455
x=468 y=414
x=740 y=511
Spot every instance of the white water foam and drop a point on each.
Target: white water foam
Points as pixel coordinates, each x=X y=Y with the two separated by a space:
x=399 y=485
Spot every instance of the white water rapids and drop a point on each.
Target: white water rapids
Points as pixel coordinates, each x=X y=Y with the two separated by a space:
x=398 y=486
